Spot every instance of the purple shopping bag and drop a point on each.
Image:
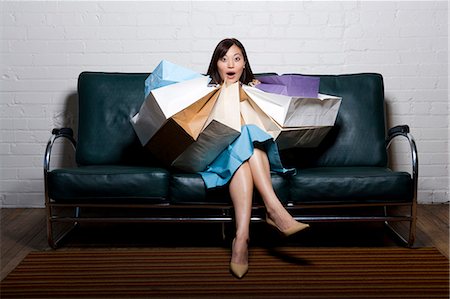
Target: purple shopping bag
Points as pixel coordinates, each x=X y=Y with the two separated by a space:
x=290 y=85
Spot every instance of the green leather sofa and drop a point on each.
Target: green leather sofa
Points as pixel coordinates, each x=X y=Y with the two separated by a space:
x=346 y=178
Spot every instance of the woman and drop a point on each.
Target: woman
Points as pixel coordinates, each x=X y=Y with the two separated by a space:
x=259 y=153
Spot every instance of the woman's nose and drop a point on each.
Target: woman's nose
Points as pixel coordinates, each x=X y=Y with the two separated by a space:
x=230 y=63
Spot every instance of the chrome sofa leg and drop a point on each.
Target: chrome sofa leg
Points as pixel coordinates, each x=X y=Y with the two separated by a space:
x=53 y=240
x=224 y=235
x=409 y=239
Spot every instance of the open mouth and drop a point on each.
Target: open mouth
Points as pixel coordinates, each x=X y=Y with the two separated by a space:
x=231 y=74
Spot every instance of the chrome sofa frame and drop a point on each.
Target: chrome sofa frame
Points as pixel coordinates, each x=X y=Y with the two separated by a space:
x=223 y=213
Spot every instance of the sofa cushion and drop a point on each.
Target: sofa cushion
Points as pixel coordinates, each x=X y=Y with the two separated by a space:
x=189 y=188
x=104 y=183
x=358 y=137
x=350 y=185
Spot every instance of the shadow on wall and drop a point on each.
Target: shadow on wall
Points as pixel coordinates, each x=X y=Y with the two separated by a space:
x=389 y=124
x=63 y=154
x=398 y=144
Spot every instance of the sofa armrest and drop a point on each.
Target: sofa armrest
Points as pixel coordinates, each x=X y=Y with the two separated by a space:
x=66 y=133
x=403 y=130
x=398 y=130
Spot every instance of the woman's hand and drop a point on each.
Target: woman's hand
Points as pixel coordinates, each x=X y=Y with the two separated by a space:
x=254 y=83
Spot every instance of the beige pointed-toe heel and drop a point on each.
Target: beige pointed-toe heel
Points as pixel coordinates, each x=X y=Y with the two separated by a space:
x=298 y=226
x=238 y=270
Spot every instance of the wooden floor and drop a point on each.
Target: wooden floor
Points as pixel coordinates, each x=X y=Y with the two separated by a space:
x=24 y=230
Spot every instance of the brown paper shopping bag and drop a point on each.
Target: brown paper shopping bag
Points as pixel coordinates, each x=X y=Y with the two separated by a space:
x=193 y=137
x=181 y=130
x=163 y=103
x=221 y=127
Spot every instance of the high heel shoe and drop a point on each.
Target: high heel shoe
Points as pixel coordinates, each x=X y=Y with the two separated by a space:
x=298 y=226
x=238 y=270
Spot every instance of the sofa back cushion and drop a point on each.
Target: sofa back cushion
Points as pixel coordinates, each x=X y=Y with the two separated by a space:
x=358 y=137
x=107 y=101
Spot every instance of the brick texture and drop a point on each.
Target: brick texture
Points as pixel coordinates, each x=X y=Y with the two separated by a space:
x=45 y=45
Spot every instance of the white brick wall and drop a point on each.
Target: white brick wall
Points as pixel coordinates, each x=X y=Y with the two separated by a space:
x=45 y=45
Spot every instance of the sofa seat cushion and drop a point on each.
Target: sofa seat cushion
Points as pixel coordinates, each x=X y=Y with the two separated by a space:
x=350 y=185
x=189 y=188
x=130 y=183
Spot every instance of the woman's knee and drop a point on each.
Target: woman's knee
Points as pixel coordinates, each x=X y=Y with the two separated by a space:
x=242 y=180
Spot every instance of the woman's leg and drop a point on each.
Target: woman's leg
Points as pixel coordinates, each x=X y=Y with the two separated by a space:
x=241 y=192
x=260 y=169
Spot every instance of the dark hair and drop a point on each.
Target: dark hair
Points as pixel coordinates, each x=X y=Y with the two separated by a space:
x=220 y=51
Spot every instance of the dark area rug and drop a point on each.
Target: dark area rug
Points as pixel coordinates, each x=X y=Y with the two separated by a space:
x=202 y=272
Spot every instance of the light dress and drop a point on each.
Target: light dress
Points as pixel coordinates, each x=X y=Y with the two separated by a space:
x=221 y=170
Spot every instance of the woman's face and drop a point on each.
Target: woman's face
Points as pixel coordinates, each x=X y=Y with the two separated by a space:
x=231 y=66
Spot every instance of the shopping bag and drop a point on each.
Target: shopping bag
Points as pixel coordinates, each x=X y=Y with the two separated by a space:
x=164 y=102
x=308 y=135
x=187 y=124
x=222 y=127
x=305 y=137
x=290 y=85
x=252 y=114
x=290 y=111
x=167 y=73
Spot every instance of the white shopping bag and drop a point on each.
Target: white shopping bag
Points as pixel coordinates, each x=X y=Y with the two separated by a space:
x=284 y=137
x=291 y=111
x=164 y=102
x=221 y=128
x=187 y=124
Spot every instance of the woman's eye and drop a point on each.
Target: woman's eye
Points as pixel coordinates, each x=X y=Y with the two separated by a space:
x=223 y=59
x=237 y=59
